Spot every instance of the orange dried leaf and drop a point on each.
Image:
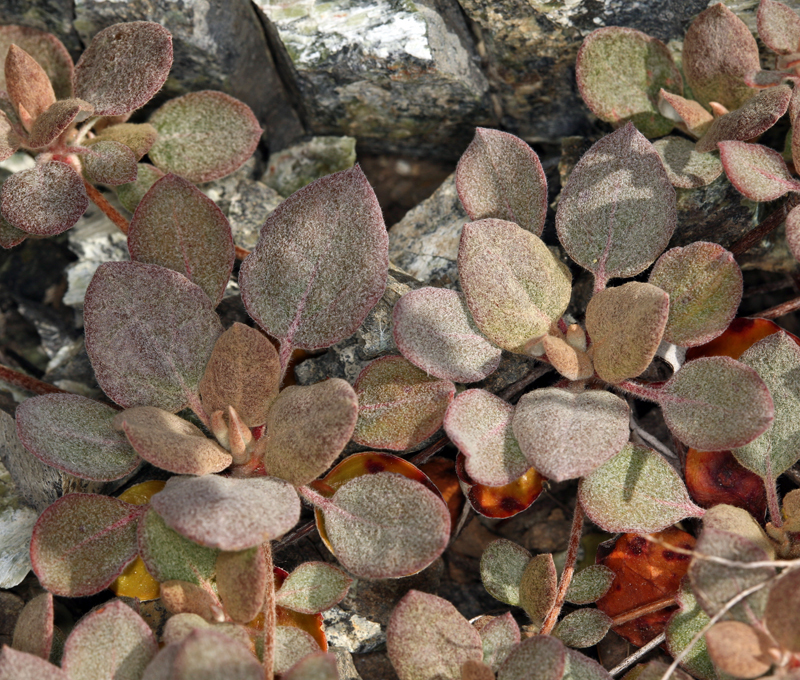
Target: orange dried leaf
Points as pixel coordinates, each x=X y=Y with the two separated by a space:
x=502 y=501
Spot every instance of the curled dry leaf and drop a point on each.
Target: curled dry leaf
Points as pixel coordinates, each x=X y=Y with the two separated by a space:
x=434 y=330
x=109 y=162
x=715 y=477
x=313 y=587
x=502 y=565
x=33 y=632
x=757 y=172
x=500 y=176
x=241 y=582
x=779 y=28
x=686 y=167
x=57 y=118
x=504 y=501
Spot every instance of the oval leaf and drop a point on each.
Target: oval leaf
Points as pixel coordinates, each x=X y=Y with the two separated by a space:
x=783 y=611
x=241 y=582
x=319 y=666
x=203 y=136
x=514 y=286
x=139 y=137
x=538 y=588
x=427 y=637
x=590 y=584
x=499 y=637
x=779 y=28
x=124 y=66
x=206 y=654
x=716 y=403
x=695 y=117
x=313 y=587
x=502 y=565
x=291 y=646
x=48 y=51
x=565 y=435
x=434 y=330
x=109 y=162
x=149 y=334
x=687 y=622
x=58 y=117
x=131 y=194
x=75 y=434
x=321 y=263
x=500 y=176
x=583 y=628
x=16 y=665
x=544 y=653
x=737 y=649
x=686 y=167
x=27 y=83
x=757 y=172
x=180 y=597
x=636 y=491
x=33 y=633
x=617 y=212
x=82 y=542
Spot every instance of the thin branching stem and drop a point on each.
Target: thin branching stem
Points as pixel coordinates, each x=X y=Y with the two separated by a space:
x=515 y=388
x=638 y=654
x=111 y=212
x=760 y=564
x=780 y=310
x=429 y=452
x=644 y=610
x=270 y=616
x=26 y=382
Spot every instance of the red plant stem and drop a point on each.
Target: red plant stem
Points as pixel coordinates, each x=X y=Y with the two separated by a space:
x=643 y=391
x=111 y=212
x=270 y=616
x=295 y=535
x=17 y=379
x=780 y=310
x=770 y=484
x=645 y=609
x=569 y=569
x=772 y=222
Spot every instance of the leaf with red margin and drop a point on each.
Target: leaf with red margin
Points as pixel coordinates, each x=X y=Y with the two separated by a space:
x=33 y=632
x=109 y=162
x=544 y=653
x=10 y=236
x=139 y=137
x=695 y=117
x=124 y=66
x=685 y=166
x=500 y=176
x=82 y=542
x=178 y=227
x=131 y=194
x=57 y=118
x=793 y=232
x=46 y=49
x=310 y=623
x=44 y=200
x=504 y=501
x=757 y=172
x=241 y=582
x=27 y=84
x=498 y=637
x=645 y=573
x=317 y=666
x=9 y=139
x=16 y=665
x=313 y=587
x=778 y=27
x=503 y=564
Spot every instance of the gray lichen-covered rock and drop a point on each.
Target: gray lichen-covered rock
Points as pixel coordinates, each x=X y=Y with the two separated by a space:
x=299 y=165
x=399 y=76
x=218 y=45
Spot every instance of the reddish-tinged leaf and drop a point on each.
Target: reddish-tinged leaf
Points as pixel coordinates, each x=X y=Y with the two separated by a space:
x=590 y=584
x=321 y=263
x=46 y=49
x=686 y=167
x=704 y=284
x=755 y=116
x=33 y=633
x=307 y=429
x=109 y=162
x=779 y=28
x=399 y=406
x=177 y=226
x=716 y=477
x=693 y=115
x=636 y=491
x=124 y=66
x=16 y=665
x=500 y=176
x=205 y=654
x=514 y=286
x=27 y=83
x=756 y=171
x=793 y=232
x=178 y=627
x=309 y=623
x=503 y=564
x=783 y=611
x=149 y=334
x=241 y=582
x=243 y=372
x=498 y=638
x=139 y=137
x=228 y=513
x=10 y=236
x=181 y=597
x=566 y=435
x=203 y=136
x=111 y=643
x=620 y=72
x=9 y=139
x=543 y=653
x=736 y=648
x=617 y=212
x=763 y=79
x=82 y=542
x=479 y=424
x=645 y=573
x=57 y=118
x=428 y=638
x=44 y=200
x=131 y=194
x=313 y=587
x=716 y=404
x=318 y=666
x=507 y=500
x=740 y=335
x=718 y=51
x=435 y=331
x=538 y=588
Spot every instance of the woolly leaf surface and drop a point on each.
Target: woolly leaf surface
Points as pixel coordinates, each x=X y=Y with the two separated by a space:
x=44 y=200
x=206 y=654
x=498 y=638
x=626 y=324
x=686 y=167
x=687 y=622
x=124 y=66
x=515 y=288
x=82 y=542
x=243 y=372
x=75 y=434
x=695 y=117
x=321 y=263
x=109 y=162
x=386 y=526
x=241 y=582
x=10 y=236
x=313 y=587
x=177 y=226
x=291 y=646
x=565 y=435
x=502 y=566
x=318 y=666
x=110 y=643
x=793 y=232
x=46 y=49
x=9 y=139
x=228 y=513
x=307 y=429
x=500 y=176
x=778 y=27
x=131 y=194
x=590 y=584
x=544 y=653
x=479 y=424
x=716 y=403
x=757 y=172
x=33 y=633
x=704 y=285
x=538 y=588
x=427 y=637
x=179 y=626
x=203 y=136
x=139 y=137
x=573 y=363
x=399 y=406
x=617 y=211
x=16 y=665
x=636 y=491
x=181 y=597
x=583 y=628
x=27 y=84
x=434 y=330
x=578 y=666
x=783 y=611
x=55 y=119
x=149 y=334
x=736 y=649
x=620 y=72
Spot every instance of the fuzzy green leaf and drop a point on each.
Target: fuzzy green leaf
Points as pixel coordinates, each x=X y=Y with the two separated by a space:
x=291 y=646
x=131 y=194
x=704 y=284
x=321 y=263
x=427 y=638
x=203 y=136
x=617 y=211
x=177 y=226
x=46 y=49
x=502 y=565
x=620 y=72
x=515 y=288
x=544 y=653
x=757 y=172
x=783 y=611
x=124 y=66
x=778 y=27
x=228 y=513
x=578 y=666
x=689 y=620
x=44 y=200
x=16 y=665
x=57 y=118
x=500 y=176
x=716 y=404
x=498 y=638
x=241 y=582
x=110 y=643
x=538 y=588
x=109 y=162
x=318 y=666
x=434 y=330
x=637 y=491
x=313 y=587
x=75 y=434
x=583 y=628
x=590 y=584
x=479 y=424
x=139 y=137
x=33 y=632
x=565 y=435
x=686 y=167
x=149 y=334
x=82 y=542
